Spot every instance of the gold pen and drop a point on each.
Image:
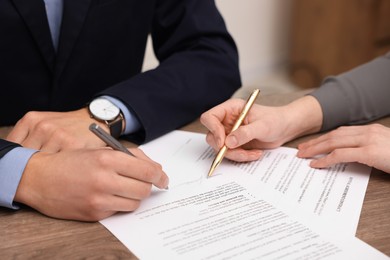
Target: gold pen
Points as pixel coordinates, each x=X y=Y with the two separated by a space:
x=218 y=159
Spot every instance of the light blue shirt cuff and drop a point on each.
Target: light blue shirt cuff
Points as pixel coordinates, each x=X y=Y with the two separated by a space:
x=11 y=170
x=132 y=123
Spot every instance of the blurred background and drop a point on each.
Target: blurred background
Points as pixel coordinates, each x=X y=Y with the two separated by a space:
x=289 y=45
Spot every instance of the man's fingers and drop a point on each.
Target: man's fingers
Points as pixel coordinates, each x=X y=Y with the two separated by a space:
x=118 y=204
x=143 y=170
x=18 y=134
x=23 y=127
x=129 y=188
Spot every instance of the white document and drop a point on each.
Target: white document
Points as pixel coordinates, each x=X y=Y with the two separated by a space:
x=329 y=198
x=226 y=216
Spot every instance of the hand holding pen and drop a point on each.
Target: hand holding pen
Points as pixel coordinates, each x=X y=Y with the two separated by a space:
x=213 y=120
x=112 y=142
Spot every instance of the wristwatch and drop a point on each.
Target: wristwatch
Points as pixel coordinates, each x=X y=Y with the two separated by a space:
x=105 y=111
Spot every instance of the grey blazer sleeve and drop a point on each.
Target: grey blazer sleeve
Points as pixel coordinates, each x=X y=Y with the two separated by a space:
x=357 y=96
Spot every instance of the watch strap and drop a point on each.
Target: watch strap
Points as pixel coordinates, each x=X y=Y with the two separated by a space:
x=116 y=126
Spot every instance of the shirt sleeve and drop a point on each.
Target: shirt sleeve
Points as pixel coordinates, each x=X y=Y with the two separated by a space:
x=356 y=97
x=12 y=166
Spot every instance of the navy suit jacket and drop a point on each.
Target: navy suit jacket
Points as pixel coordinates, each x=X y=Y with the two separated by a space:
x=101 y=50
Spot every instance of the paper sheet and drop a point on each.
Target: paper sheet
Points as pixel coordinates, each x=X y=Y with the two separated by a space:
x=230 y=215
x=316 y=196
x=333 y=195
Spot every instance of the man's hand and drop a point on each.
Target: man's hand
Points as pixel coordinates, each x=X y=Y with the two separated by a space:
x=88 y=184
x=55 y=131
x=367 y=144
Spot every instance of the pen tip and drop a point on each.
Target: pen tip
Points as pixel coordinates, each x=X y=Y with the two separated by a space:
x=211 y=171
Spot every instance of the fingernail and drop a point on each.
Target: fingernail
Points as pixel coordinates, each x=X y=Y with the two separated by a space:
x=166 y=184
x=231 y=141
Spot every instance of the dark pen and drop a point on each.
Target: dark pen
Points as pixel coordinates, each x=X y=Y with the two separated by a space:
x=108 y=139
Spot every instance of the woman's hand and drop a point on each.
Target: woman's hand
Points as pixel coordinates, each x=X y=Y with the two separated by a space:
x=367 y=144
x=264 y=127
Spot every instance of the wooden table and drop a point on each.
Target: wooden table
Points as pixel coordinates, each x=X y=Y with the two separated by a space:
x=27 y=234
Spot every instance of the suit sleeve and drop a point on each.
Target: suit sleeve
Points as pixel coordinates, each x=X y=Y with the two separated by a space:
x=357 y=96
x=198 y=68
x=5 y=147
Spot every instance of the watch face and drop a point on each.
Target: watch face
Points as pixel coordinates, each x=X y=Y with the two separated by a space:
x=103 y=109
